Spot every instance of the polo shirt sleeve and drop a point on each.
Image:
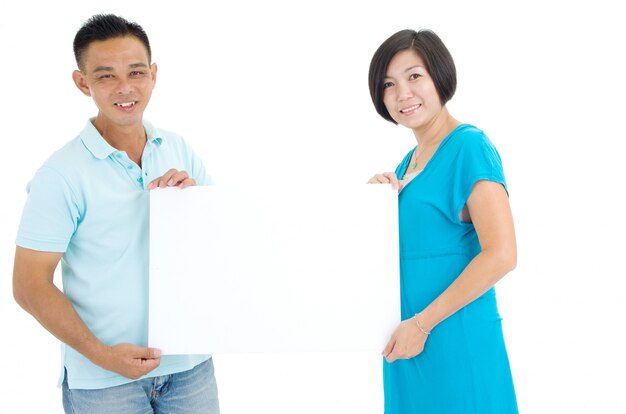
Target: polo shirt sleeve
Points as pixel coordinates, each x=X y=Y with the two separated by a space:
x=198 y=172
x=50 y=215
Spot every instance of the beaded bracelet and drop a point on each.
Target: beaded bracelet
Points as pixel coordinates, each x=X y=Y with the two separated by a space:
x=420 y=326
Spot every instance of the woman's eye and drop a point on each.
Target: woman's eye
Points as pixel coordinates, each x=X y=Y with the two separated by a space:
x=387 y=85
x=414 y=76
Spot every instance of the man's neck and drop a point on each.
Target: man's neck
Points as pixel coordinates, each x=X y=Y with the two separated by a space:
x=130 y=139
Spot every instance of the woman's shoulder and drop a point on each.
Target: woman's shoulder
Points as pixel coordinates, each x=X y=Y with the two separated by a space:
x=470 y=133
x=471 y=137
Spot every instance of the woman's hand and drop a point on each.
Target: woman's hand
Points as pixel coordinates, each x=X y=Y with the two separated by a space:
x=406 y=342
x=386 y=178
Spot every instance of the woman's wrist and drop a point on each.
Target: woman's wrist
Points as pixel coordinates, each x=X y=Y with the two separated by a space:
x=419 y=324
x=427 y=318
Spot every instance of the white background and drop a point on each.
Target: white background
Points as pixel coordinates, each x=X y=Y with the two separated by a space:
x=277 y=92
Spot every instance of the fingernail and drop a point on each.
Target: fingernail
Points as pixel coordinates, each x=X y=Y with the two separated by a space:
x=170 y=182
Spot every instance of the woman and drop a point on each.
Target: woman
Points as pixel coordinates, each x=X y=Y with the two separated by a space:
x=456 y=241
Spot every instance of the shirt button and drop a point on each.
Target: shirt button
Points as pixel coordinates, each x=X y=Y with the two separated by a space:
x=130 y=167
x=118 y=155
x=140 y=180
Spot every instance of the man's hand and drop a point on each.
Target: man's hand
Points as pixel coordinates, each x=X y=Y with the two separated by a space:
x=129 y=360
x=35 y=291
x=172 y=178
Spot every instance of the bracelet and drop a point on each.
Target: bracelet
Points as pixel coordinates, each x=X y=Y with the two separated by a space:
x=420 y=326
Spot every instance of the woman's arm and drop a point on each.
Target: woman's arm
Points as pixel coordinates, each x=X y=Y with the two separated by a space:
x=490 y=212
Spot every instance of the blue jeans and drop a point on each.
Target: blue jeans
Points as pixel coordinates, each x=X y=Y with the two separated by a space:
x=193 y=392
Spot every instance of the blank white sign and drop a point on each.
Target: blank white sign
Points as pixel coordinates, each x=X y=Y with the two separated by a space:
x=267 y=269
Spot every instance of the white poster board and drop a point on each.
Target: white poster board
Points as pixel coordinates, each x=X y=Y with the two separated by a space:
x=268 y=269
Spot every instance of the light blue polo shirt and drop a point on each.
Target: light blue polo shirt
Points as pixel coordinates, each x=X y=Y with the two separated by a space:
x=89 y=200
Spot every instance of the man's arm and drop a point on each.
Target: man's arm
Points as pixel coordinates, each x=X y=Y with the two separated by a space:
x=34 y=290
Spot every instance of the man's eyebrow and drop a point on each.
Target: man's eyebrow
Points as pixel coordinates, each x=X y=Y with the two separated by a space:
x=137 y=65
x=110 y=68
x=103 y=69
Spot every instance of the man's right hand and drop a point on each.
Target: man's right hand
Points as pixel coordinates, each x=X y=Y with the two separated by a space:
x=128 y=360
x=35 y=291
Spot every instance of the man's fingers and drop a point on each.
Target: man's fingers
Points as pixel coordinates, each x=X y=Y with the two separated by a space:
x=148 y=365
x=188 y=182
x=177 y=178
x=166 y=178
x=172 y=178
x=162 y=180
x=148 y=353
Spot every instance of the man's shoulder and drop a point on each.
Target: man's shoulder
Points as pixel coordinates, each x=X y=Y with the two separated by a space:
x=67 y=155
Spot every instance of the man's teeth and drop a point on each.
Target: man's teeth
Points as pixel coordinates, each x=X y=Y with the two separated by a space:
x=126 y=104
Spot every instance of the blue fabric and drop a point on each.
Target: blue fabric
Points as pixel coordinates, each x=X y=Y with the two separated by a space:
x=189 y=392
x=90 y=201
x=464 y=367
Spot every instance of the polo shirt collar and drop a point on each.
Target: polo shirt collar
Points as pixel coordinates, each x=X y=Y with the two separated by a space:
x=101 y=149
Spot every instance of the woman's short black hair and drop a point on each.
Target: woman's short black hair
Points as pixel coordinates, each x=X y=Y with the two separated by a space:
x=430 y=48
x=104 y=27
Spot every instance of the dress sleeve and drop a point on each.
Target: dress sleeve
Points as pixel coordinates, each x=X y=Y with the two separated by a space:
x=51 y=213
x=478 y=160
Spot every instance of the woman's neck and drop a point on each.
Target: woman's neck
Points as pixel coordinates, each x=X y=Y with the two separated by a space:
x=436 y=130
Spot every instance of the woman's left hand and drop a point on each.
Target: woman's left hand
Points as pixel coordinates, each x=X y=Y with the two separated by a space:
x=406 y=342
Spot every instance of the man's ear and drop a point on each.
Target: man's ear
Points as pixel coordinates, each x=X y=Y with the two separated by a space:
x=153 y=71
x=81 y=82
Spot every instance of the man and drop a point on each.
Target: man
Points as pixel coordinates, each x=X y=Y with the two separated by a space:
x=87 y=207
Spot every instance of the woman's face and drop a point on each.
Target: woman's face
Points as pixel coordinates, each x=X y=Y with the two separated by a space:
x=409 y=92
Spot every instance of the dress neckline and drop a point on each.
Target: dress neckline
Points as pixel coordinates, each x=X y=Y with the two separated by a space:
x=430 y=161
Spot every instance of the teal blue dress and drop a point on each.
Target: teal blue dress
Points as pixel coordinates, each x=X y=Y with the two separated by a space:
x=464 y=367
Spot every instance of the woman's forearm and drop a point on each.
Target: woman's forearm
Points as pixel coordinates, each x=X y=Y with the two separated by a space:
x=478 y=277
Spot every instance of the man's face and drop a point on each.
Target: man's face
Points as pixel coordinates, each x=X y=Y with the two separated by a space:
x=117 y=74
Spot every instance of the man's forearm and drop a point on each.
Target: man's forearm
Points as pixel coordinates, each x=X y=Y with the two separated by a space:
x=54 y=312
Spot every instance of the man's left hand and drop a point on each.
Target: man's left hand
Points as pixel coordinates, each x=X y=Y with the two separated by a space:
x=172 y=178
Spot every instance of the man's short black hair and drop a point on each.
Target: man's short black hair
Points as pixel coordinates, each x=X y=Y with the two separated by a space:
x=104 y=27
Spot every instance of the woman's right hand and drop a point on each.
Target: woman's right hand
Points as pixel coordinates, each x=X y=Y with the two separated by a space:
x=386 y=178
